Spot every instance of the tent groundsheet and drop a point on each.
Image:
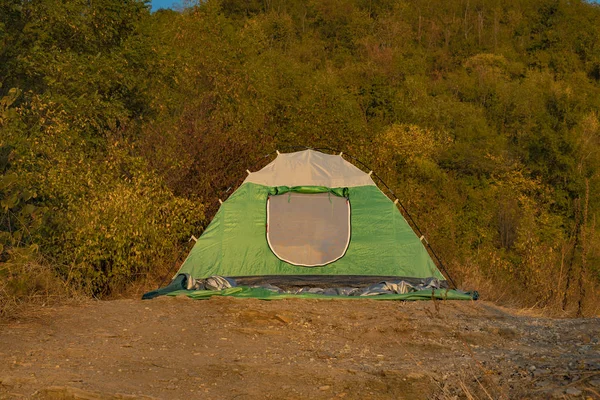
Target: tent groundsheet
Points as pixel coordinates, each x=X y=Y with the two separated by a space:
x=266 y=294
x=426 y=289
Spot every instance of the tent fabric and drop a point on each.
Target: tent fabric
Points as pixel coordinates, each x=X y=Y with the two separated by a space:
x=310 y=168
x=341 y=192
x=382 y=243
x=308 y=229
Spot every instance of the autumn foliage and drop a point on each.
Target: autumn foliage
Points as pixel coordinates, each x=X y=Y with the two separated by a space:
x=120 y=129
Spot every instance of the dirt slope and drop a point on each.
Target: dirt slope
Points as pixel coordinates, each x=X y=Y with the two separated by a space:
x=225 y=348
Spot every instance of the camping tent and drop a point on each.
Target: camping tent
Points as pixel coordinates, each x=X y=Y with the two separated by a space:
x=309 y=220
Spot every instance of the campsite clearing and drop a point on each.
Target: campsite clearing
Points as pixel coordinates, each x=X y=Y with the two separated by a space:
x=226 y=348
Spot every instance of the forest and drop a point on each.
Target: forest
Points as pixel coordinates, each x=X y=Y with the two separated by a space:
x=120 y=129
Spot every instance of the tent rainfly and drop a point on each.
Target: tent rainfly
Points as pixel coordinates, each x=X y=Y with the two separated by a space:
x=310 y=224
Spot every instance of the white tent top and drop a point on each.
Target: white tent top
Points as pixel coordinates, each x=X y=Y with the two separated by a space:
x=310 y=168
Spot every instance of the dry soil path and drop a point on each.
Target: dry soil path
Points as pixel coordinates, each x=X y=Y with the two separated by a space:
x=226 y=348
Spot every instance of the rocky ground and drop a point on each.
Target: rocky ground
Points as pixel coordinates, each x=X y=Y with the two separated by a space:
x=226 y=348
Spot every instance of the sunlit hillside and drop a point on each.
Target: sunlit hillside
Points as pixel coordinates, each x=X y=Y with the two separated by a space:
x=120 y=129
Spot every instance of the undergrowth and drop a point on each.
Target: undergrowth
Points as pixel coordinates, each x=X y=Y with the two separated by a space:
x=26 y=281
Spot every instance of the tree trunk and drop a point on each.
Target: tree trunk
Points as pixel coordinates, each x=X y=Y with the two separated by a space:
x=576 y=233
x=584 y=248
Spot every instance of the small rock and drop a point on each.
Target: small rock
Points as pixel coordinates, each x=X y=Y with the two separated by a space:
x=7 y=381
x=542 y=384
x=585 y=338
x=595 y=383
x=573 y=391
x=541 y=372
x=415 y=375
x=11 y=381
x=325 y=387
x=532 y=368
x=284 y=318
x=584 y=349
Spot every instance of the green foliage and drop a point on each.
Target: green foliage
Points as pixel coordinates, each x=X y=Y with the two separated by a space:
x=121 y=228
x=72 y=187
x=483 y=116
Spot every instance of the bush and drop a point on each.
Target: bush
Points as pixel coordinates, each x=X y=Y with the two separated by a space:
x=122 y=229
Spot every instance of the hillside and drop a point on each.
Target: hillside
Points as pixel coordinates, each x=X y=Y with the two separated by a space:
x=227 y=348
x=120 y=129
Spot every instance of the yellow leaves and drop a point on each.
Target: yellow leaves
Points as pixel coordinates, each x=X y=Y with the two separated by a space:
x=409 y=142
x=486 y=60
x=590 y=124
x=102 y=224
x=487 y=66
x=517 y=181
x=127 y=224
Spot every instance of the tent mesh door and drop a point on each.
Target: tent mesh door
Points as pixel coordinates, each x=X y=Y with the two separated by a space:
x=308 y=230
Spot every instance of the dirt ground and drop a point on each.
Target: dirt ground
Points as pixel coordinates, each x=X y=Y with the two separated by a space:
x=226 y=348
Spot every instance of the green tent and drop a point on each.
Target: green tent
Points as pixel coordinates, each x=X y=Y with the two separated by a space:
x=307 y=220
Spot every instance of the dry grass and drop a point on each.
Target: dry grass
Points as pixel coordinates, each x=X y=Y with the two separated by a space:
x=30 y=283
x=534 y=302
